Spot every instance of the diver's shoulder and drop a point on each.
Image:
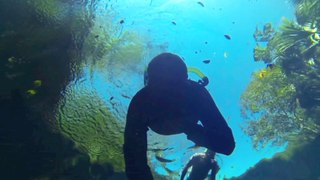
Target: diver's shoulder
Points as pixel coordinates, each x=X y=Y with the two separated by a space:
x=195 y=85
x=141 y=93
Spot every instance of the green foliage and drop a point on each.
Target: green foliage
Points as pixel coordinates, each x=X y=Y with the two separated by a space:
x=307 y=11
x=113 y=53
x=291 y=35
x=52 y=10
x=83 y=117
x=283 y=102
x=261 y=54
x=127 y=50
x=271 y=108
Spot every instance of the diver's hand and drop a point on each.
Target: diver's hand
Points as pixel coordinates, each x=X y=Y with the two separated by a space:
x=196 y=133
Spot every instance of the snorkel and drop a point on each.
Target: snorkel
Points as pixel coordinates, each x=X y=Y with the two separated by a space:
x=204 y=79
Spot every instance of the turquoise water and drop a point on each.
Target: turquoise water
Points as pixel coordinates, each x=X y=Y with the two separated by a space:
x=229 y=76
x=69 y=70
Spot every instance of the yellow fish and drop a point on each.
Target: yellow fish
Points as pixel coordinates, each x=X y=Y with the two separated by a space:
x=37 y=83
x=32 y=92
x=311 y=62
x=309 y=29
x=263 y=73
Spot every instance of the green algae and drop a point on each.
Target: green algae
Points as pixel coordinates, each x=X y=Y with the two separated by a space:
x=84 y=118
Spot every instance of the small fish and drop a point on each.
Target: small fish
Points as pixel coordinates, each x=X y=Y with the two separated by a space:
x=227 y=36
x=125 y=96
x=96 y=36
x=122 y=21
x=111 y=98
x=159 y=149
x=174 y=23
x=37 y=83
x=207 y=61
x=270 y=65
x=32 y=92
x=169 y=170
x=311 y=62
x=156 y=149
x=263 y=73
x=201 y=4
x=164 y=160
x=206 y=42
x=225 y=55
x=194 y=147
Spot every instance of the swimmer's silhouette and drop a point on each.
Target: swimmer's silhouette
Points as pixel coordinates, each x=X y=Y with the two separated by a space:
x=201 y=164
x=171 y=104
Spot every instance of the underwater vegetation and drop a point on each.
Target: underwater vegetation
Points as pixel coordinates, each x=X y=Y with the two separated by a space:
x=41 y=52
x=282 y=102
x=52 y=126
x=271 y=101
x=84 y=118
x=110 y=49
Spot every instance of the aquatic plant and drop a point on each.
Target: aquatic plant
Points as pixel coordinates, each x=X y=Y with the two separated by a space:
x=262 y=54
x=292 y=36
x=83 y=117
x=283 y=104
x=271 y=109
x=40 y=40
x=50 y=10
x=112 y=53
x=307 y=11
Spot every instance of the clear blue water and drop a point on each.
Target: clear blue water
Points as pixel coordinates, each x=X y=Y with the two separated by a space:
x=78 y=52
x=198 y=35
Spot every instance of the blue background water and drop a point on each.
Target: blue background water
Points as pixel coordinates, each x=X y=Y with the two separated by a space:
x=229 y=75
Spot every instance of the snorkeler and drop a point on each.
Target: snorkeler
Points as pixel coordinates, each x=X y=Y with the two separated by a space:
x=201 y=164
x=170 y=104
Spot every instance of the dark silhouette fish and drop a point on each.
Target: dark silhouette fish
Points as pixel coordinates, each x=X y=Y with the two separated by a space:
x=207 y=61
x=125 y=96
x=194 y=147
x=159 y=149
x=201 y=4
x=164 y=160
x=227 y=36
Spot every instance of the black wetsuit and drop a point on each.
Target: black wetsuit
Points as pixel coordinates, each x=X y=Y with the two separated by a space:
x=172 y=110
x=201 y=165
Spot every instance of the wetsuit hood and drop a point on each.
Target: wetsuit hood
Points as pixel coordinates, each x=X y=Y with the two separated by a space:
x=166 y=69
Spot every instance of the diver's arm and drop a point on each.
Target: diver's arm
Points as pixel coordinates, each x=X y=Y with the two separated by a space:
x=135 y=143
x=215 y=134
x=212 y=175
x=185 y=169
x=218 y=132
x=214 y=170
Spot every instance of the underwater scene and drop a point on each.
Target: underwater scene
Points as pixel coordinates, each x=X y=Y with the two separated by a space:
x=69 y=70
